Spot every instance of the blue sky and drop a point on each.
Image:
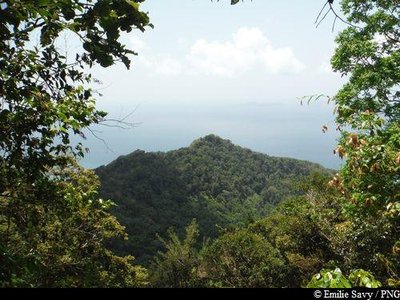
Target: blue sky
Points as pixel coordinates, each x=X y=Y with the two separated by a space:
x=237 y=71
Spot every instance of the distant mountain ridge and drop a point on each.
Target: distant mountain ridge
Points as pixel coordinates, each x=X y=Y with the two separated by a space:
x=213 y=180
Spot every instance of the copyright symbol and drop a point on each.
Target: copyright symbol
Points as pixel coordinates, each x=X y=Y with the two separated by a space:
x=317 y=294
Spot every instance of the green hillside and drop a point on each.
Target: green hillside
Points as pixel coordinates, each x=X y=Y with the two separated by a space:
x=216 y=182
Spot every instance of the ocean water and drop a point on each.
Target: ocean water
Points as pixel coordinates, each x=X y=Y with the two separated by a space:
x=282 y=128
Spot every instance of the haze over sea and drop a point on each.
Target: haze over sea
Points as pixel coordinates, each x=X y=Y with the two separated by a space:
x=278 y=128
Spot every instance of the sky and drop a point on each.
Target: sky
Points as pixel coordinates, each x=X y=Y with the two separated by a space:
x=235 y=71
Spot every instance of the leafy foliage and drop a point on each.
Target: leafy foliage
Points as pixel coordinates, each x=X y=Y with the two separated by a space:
x=53 y=226
x=219 y=184
x=329 y=279
x=43 y=96
x=57 y=239
x=335 y=279
x=368 y=106
x=243 y=259
x=283 y=249
x=368 y=103
x=176 y=267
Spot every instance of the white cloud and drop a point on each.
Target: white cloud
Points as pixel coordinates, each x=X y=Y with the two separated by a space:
x=248 y=49
x=162 y=65
x=158 y=64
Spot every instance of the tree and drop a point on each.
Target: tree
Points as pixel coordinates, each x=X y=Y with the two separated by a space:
x=57 y=240
x=369 y=104
x=44 y=96
x=177 y=267
x=242 y=259
x=368 y=115
x=53 y=226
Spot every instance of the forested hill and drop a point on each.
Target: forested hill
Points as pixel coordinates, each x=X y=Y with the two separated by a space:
x=216 y=182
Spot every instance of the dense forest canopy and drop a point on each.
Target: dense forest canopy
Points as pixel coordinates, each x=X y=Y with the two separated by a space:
x=219 y=184
x=56 y=230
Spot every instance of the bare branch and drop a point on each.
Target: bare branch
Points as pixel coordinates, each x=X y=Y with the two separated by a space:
x=340 y=18
x=121 y=123
x=318 y=21
x=323 y=18
x=334 y=23
x=100 y=139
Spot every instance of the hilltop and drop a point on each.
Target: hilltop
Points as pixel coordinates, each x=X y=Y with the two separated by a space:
x=218 y=183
